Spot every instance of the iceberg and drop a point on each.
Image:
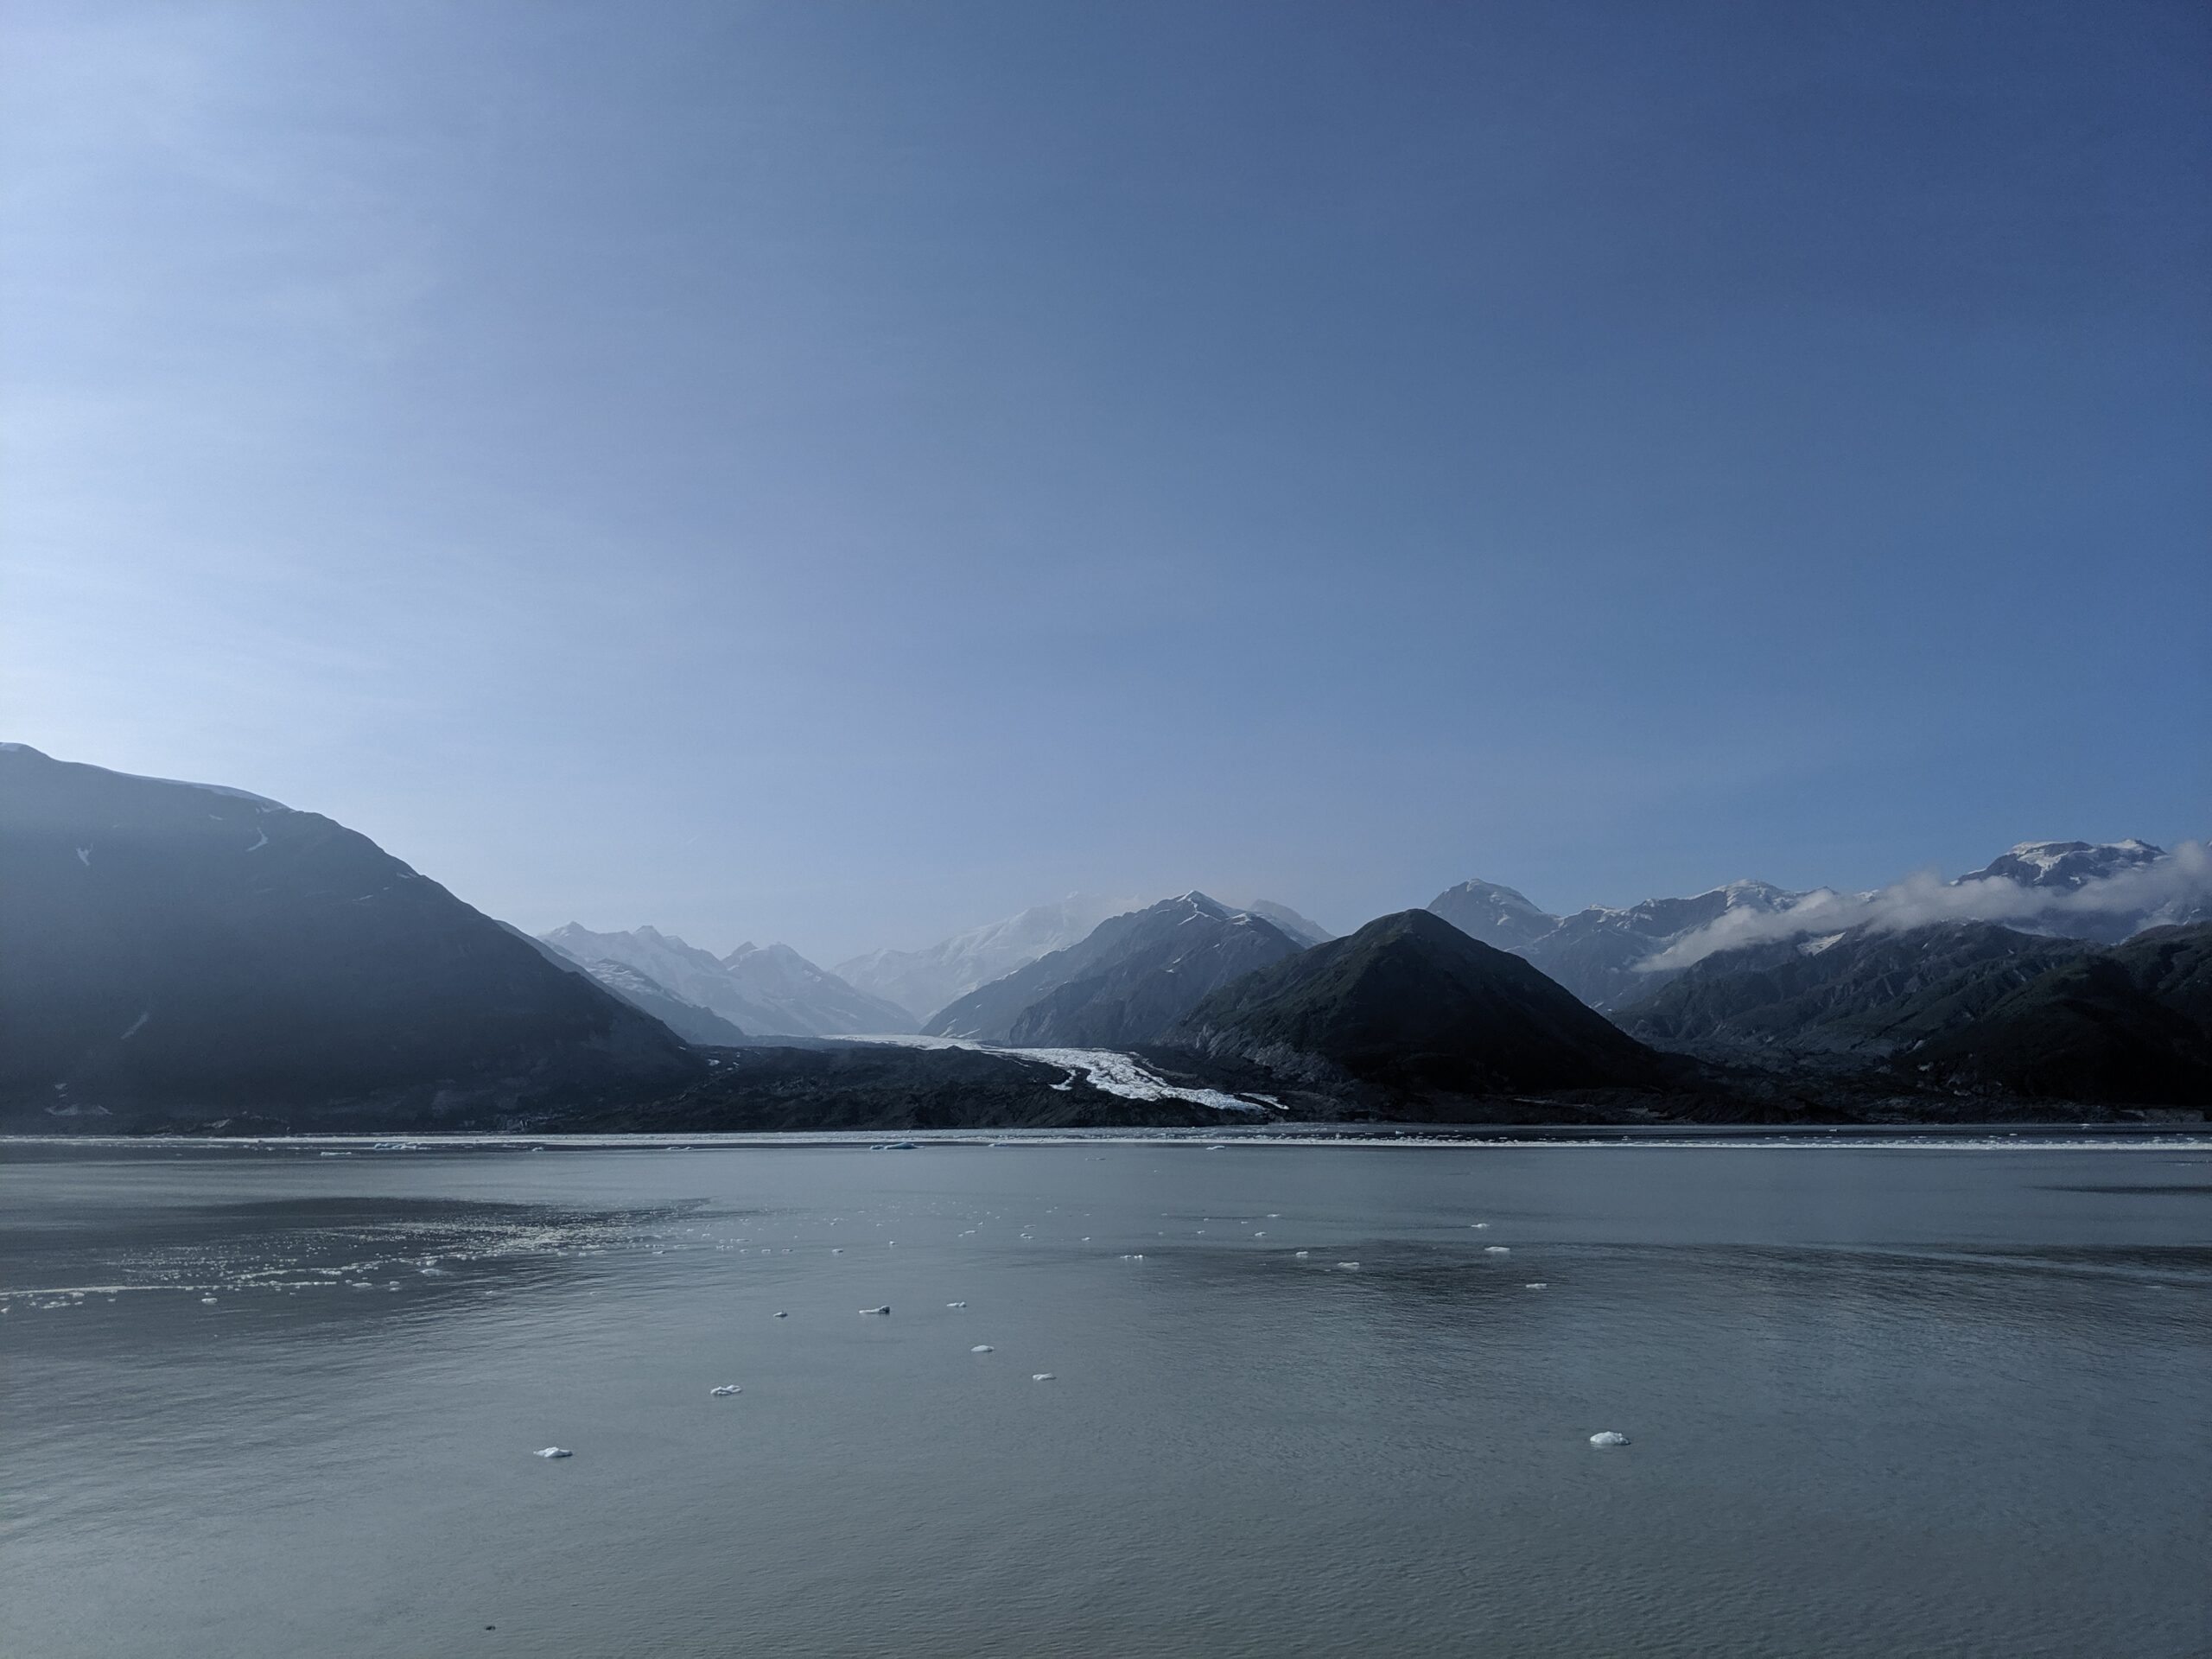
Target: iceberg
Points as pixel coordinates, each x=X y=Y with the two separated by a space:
x=554 y=1452
x=1608 y=1437
x=725 y=1388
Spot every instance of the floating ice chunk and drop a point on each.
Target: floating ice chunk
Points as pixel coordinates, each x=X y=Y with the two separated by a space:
x=781 y=1314
x=885 y=1308
x=720 y=1390
x=1498 y=1250
x=554 y=1452
x=1609 y=1437
x=838 y=1251
x=1479 y=1226
x=1349 y=1267
x=1041 y=1377
x=1538 y=1285
x=1302 y=1254
x=210 y=1301
x=982 y=1348
x=956 y=1304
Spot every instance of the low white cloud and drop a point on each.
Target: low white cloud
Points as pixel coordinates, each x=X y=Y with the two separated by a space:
x=2164 y=886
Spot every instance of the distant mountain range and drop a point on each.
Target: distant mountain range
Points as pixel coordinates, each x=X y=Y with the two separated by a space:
x=1127 y=982
x=1611 y=958
x=167 y=946
x=921 y=981
x=925 y=981
x=765 y=990
x=687 y=1020
x=1961 y=1005
x=178 y=955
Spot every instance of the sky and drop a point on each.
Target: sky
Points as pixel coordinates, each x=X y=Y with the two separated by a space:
x=842 y=471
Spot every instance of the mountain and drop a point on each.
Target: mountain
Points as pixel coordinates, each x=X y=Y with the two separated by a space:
x=802 y=1000
x=921 y=981
x=765 y=990
x=1126 y=982
x=1499 y=917
x=1866 y=991
x=1301 y=930
x=1594 y=953
x=2063 y=868
x=2104 y=891
x=169 y=947
x=687 y=1020
x=2130 y=1024
x=1414 y=1008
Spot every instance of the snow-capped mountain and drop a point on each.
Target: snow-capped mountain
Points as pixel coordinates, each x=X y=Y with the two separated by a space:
x=2105 y=892
x=1497 y=916
x=687 y=1020
x=921 y=981
x=765 y=990
x=1302 y=929
x=804 y=999
x=2065 y=864
x=1595 y=952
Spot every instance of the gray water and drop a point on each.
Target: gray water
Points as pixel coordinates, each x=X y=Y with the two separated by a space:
x=1880 y=1402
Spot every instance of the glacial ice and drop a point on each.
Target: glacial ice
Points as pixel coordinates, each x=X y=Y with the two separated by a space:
x=1498 y=1250
x=554 y=1452
x=956 y=1304
x=722 y=1389
x=1609 y=1437
x=1041 y=1377
x=885 y=1308
x=982 y=1348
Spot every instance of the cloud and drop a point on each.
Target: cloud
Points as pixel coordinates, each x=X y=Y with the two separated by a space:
x=2165 y=887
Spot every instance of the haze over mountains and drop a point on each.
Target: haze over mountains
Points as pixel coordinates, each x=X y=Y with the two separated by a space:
x=170 y=948
x=765 y=990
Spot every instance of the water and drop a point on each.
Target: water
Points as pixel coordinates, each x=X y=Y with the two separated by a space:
x=1879 y=1402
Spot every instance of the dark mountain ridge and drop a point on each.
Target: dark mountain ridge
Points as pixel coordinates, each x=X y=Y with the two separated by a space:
x=166 y=946
x=1412 y=1009
x=1124 y=984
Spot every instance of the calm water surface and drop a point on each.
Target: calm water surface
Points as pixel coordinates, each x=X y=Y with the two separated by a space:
x=1881 y=1401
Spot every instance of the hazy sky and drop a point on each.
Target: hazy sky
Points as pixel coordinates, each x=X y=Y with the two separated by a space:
x=842 y=471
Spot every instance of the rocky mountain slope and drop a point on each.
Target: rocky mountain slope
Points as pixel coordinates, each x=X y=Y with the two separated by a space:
x=1125 y=984
x=170 y=947
x=1411 y=1008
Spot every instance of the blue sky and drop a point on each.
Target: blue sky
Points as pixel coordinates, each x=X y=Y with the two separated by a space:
x=842 y=472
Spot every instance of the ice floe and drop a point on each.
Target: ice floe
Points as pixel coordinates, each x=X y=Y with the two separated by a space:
x=982 y=1348
x=885 y=1308
x=1609 y=1437
x=722 y=1389
x=553 y=1452
x=1041 y=1377
x=1498 y=1250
